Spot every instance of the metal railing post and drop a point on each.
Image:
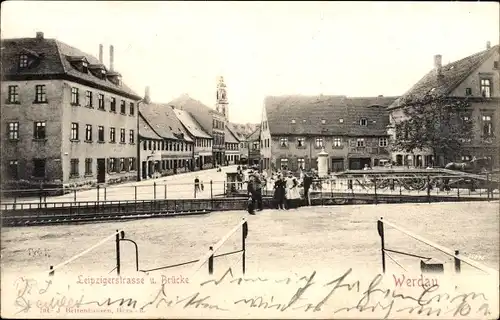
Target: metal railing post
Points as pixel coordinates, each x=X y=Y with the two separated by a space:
x=458 y=191
x=105 y=194
x=488 y=186
x=428 y=188
x=211 y=262
x=375 y=186
x=195 y=191
x=165 y=191
x=154 y=190
x=74 y=195
x=97 y=193
x=117 y=240
x=380 y=229
x=135 y=193
x=457 y=262
x=51 y=273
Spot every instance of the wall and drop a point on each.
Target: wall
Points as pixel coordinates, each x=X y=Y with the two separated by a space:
x=94 y=150
x=26 y=112
x=309 y=151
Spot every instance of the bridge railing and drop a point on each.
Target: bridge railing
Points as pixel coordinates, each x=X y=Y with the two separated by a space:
x=210 y=256
x=115 y=234
x=119 y=236
x=458 y=259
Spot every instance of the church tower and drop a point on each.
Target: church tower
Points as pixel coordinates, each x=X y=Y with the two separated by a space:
x=222 y=104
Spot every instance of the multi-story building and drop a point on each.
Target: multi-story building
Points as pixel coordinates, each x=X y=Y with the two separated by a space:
x=165 y=146
x=351 y=130
x=475 y=77
x=254 y=146
x=232 y=147
x=202 y=141
x=212 y=122
x=68 y=120
x=242 y=131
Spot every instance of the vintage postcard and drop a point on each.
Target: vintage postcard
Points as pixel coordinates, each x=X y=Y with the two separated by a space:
x=254 y=160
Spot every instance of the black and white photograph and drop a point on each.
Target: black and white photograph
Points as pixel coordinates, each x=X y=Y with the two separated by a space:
x=250 y=160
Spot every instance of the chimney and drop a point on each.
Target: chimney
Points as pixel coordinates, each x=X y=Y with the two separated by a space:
x=488 y=45
x=147 y=97
x=100 y=53
x=39 y=35
x=111 y=58
x=437 y=64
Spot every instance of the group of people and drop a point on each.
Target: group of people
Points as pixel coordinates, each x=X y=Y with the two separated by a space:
x=286 y=189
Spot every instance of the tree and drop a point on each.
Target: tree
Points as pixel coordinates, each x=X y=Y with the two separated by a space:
x=436 y=122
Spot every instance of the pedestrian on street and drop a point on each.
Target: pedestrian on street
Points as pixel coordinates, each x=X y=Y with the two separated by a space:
x=196 y=184
x=252 y=192
x=279 y=192
x=308 y=180
x=292 y=191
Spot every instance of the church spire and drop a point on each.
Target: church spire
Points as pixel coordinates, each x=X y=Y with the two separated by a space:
x=222 y=104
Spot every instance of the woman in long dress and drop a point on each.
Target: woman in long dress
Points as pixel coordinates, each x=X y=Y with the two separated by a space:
x=292 y=191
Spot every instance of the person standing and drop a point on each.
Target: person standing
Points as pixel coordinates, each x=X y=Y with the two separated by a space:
x=279 y=193
x=292 y=191
x=258 y=188
x=308 y=180
x=252 y=195
x=196 y=185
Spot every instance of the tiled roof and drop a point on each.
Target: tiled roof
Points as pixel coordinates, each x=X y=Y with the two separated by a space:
x=229 y=136
x=163 y=120
x=191 y=124
x=327 y=115
x=146 y=131
x=242 y=130
x=52 y=61
x=199 y=111
x=254 y=136
x=453 y=74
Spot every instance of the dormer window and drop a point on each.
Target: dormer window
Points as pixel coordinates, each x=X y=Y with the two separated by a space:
x=23 y=61
x=85 y=66
x=363 y=122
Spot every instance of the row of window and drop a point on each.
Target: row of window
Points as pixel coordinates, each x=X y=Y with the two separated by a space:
x=114 y=165
x=362 y=121
x=40 y=94
x=218 y=139
x=171 y=164
x=232 y=146
x=89 y=102
x=485 y=88
x=75 y=134
x=320 y=142
x=41 y=97
x=217 y=124
x=167 y=145
x=39 y=132
x=204 y=143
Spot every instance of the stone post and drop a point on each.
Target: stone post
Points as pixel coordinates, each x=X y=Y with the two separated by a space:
x=322 y=163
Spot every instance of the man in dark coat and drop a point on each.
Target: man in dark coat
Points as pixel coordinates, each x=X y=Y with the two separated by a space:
x=308 y=180
x=252 y=191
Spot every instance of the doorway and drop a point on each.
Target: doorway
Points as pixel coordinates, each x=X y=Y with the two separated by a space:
x=101 y=170
x=359 y=163
x=337 y=164
x=144 y=170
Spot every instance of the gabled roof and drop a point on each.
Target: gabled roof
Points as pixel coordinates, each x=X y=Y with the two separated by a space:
x=327 y=115
x=199 y=111
x=163 y=121
x=241 y=130
x=229 y=136
x=146 y=131
x=191 y=125
x=254 y=136
x=453 y=74
x=52 y=60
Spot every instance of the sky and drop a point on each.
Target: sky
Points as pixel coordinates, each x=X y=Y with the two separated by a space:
x=356 y=49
